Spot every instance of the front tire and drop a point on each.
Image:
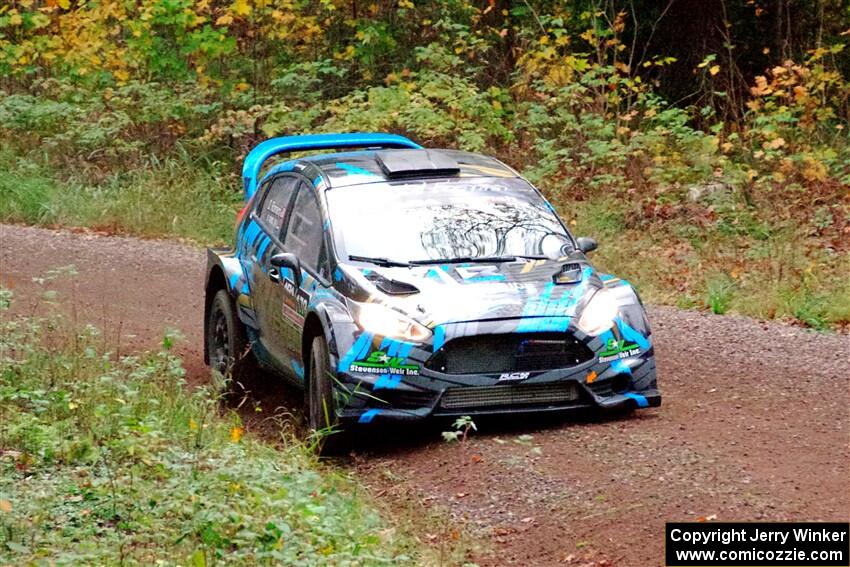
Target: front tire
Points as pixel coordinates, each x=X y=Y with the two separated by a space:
x=227 y=343
x=321 y=405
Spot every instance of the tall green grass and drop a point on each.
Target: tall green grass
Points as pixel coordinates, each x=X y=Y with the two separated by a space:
x=779 y=275
x=169 y=198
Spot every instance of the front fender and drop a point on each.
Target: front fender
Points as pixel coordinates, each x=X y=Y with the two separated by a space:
x=333 y=317
x=225 y=271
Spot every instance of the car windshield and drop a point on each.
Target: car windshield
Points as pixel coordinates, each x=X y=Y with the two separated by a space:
x=467 y=218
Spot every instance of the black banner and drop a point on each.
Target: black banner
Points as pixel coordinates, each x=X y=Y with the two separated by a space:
x=757 y=544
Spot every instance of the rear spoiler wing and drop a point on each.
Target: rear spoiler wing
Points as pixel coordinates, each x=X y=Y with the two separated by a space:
x=285 y=144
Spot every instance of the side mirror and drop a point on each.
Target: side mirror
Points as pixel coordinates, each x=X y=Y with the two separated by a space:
x=287 y=260
x=587 y=244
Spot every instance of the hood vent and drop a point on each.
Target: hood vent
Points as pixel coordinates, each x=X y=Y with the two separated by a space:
x=392 y=287
x=568 y=274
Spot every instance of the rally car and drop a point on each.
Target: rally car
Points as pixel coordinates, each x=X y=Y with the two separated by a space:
x=394 y=282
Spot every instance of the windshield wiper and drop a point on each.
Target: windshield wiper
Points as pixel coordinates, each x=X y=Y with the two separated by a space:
x=385 y=262
x=463 y=259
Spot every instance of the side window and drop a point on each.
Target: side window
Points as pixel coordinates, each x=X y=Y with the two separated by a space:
x=276 y=201
x=304 y=234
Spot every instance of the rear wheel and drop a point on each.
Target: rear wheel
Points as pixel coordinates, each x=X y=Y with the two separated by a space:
x=227 y=343
x=321 y=406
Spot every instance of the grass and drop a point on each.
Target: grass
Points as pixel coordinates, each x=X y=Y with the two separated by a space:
x=776 y=274
x=720 y=292
x=171 y=198
x=107 y=461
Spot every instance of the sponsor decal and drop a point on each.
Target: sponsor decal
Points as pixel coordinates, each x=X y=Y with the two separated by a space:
x=615 y=350
x=530 y=265
x=378 y=362
x=513 y=376
x=295 y=302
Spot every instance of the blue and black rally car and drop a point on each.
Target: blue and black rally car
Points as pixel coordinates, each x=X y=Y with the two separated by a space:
x=395 y=282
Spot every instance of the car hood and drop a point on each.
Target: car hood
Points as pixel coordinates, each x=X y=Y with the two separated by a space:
x=444 y=293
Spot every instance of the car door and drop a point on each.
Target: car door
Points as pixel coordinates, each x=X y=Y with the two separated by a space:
x=304 y=237
x=271 y=215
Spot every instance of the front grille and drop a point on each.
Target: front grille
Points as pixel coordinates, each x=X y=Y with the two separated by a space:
x=514 y=352
x=610 y=386
x=509 y=395
x=405 y=398
x=602 y=388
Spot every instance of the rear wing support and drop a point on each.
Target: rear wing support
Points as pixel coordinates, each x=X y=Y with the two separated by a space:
x=285 y=144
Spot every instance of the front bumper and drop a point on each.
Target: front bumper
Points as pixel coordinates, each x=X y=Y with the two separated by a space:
x=436 y=395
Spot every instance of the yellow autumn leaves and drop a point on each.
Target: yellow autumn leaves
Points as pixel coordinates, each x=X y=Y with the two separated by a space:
x=239 y=8
x=270 y=14
x=126 y=39
x=707 y=64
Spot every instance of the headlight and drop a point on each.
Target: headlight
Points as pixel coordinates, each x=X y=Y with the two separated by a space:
x=598 y=315
x=390 y=323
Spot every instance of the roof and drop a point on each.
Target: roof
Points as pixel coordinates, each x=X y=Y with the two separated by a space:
x=356 y=168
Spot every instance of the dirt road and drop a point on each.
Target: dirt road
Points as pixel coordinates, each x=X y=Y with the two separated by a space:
x=755 y=422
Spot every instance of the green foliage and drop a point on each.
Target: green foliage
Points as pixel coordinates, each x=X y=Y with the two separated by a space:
x=90 y=129
x=172 y=198
x=720 y=292
x=811 y=310
x=107 y=460
x=462 y=426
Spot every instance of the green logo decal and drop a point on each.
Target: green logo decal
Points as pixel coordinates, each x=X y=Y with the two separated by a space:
x=615 y=349
x=378 y=362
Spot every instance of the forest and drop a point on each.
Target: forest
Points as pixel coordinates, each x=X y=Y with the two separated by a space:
x=704 y=142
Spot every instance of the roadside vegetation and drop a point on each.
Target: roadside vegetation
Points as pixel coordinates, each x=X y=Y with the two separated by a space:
x=108 y=460
x=712 y=161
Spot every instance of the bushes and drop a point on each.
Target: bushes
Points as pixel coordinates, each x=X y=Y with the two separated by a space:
x=104 y=127
x=108 y=461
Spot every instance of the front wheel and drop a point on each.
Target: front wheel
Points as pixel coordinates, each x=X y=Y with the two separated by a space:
x=227 y=343
x=321 y=406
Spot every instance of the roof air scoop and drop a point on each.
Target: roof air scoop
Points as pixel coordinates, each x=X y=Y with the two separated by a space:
x=400 y=164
